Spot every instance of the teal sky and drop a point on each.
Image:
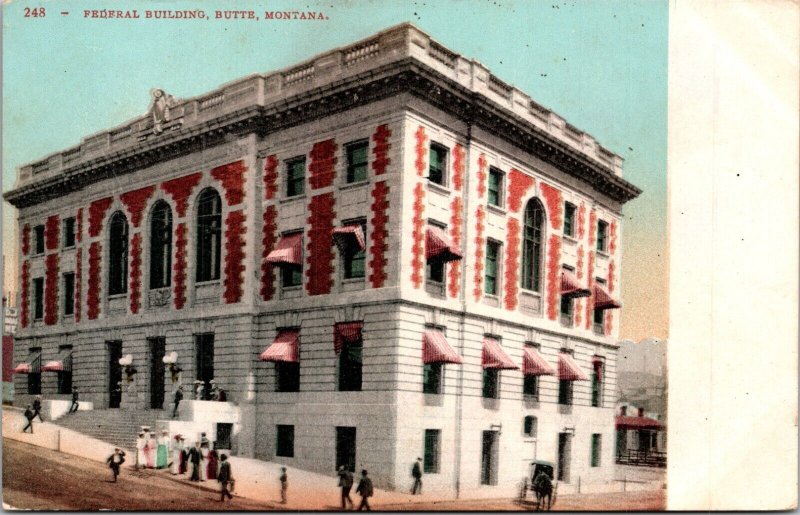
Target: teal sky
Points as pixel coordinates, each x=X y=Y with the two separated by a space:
x=600 y=64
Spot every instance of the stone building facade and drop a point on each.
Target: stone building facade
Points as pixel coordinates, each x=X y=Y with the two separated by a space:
x=381 y=253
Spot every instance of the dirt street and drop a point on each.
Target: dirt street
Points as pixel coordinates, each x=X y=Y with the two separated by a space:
x=42 y=479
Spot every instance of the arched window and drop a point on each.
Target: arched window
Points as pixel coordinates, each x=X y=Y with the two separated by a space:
x=160 y=245
x=532 y=246
x=209 y=224
x=118 y=254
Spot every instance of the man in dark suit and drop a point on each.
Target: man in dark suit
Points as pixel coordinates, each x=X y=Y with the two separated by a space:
x=29 y=416
x=416 y=472
x=37 y=408
x=224 y=477
x=74 y=406
x=177 y=400
x=346 y=483
x=365 y=490
x=115 y=461
x=194 y=459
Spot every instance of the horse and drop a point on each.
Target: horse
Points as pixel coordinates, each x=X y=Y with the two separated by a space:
x=543 y=488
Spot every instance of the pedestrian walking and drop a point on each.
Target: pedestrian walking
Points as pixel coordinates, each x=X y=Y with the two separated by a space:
x=150 y=448
x=29 y=417
x=225 y=478
x=177 y=400
x=184 y=465
x=416 y=472
x=195 y=458
x=364 y=489
x=284 y=485
x=346 y=483
x=141 y=442
x=115 y=461
x=37 y=408
x=213 y=462
x=74 y=406
x=176 y=455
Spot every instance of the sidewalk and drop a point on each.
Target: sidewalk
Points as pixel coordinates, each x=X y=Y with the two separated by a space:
x=255 y=479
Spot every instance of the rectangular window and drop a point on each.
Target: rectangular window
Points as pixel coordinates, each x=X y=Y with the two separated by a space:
x=295 y=176
x=495 y=190
x=599 y=314
x=69 y=293
x=432 y=378
x=565 y=392
x=38 y=298
x=287 y=377
x=432 y=451
x=491 y=383
x=350 y=366
x=596 y=449
x=530 y=386
x=566 y=311
x=597 y=386
x=35 y=376
x=357 y=158
x=65 y=376
x=69 y=232
x=489 y=463
x=492 y=267
x=285 y=442
x=38 y=234
x=569 y=219
x=204 y=360
x=437 y=169
x=530 y=426
x=354 y=256
x=602 y=236
x=291 y=275
x=435 y=268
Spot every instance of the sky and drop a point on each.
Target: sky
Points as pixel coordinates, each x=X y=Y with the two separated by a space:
x=600 y=64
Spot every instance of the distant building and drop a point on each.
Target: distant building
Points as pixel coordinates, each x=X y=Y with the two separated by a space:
x=381 y=253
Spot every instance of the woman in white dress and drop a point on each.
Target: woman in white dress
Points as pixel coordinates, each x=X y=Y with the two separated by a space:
x=203 y=457
x=175 y=452
x=140 y=459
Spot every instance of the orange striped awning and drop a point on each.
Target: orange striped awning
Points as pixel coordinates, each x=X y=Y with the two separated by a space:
x=62 y=364
x=571 y=286
x=346 y=332
x=533 y=364
x=436 y=349
x=603 y=299
x=495 y=357
x=349 y=235
x=22 y=368
x=289 y=250
x=285 y=347
x=439 y=247
x=568 y=369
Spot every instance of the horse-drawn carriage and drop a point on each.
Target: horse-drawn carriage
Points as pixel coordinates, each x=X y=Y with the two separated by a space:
x=541 y=482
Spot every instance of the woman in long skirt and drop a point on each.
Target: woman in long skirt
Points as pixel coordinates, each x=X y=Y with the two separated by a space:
x=203 y=463
x=177 y=451
x=211 y=471
x=162 y=452
x=141 y=462
x=184 y=458
x=150 y=452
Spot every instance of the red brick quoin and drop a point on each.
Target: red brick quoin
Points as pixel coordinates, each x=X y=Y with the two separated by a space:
x=380 y=234
x=454 y=267
x=553 y=274
x=26 y=239
x=480 y=214
x=323 y=164
x=24 y=314
x=136 y=272
x=518 y=185
x=234 y=256
x=135 y=201
x=418 y=247
x=51 y=289
x=232 y=178
x=78 y=276
x=554 y=203
x=380 y=149
x=97 y=211
x=320 y=244
x=270 y=176
x=93 y=293
x=179 y=267
x=180 y=189
x=51 y=232
x=512 y=264
x=268 y=240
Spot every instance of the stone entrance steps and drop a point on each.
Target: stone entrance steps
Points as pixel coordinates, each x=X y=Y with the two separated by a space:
x=117 y=426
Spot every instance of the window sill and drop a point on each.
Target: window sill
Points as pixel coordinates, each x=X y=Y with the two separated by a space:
x=570 y=239
x=603 y=254
x=288 y=200
x=435 y=289
x=71 y=247
x=118 y=296
x=491 y=300
x=210 y=282
x=352 y=185
x=353 y=280
x=438 y=188
x=498 y=210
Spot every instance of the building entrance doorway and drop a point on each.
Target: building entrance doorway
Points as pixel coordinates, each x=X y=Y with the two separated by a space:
x=114 y=374
x=564 y=453
x=156 y=373
x=346 y=448
x=204 y=351
x=489 y=460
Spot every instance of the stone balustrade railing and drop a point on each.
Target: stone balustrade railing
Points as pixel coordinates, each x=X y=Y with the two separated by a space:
x=394 y=44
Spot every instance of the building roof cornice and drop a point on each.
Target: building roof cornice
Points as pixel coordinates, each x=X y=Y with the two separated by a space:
x=399 y=59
